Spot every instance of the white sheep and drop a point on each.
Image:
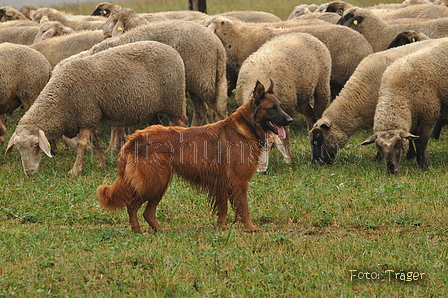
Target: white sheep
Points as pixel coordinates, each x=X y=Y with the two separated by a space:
x=51 y=29
x=19 y=35
x=204 y=57
x=380 y=34
x=75 y=22
x=24 y=73
x=347 y=48
x=413 y=96
x=8 y=13
x=124 y=86
x=299 y=65
x=354 y=107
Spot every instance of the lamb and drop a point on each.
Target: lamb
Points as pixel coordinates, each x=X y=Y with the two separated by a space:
x=51 y=29
x=354 y=107
x=204 y=57
x=58 y=48
x=299 y=65
x=77 y=23
x=379 y=33
x=240 y=40
x=413 y=96
x=406 y=37
x=124 y=86
x=24 y=73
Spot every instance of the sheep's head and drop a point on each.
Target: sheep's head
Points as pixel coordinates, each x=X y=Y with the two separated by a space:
x=390 y=145
x=31 y=143
x=326 y=140
x=352 y=18
x=338 y=7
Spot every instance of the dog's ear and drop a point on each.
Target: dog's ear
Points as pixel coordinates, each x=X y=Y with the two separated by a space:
x=271 y=87
x=259 y=91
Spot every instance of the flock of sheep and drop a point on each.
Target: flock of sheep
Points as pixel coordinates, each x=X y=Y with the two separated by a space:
x=342 y=67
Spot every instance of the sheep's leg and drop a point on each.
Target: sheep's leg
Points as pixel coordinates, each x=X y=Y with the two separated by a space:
x=200 y=110
x=133 y=207
x=421 y=147
x=102 y=160
x=117 y=135
x=241 y=206
x=83 y=141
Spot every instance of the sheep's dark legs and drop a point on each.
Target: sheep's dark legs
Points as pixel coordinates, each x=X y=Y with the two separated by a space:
x=200 y=110
x=102 y=160
x=117 y=136
x=421 y=145
x=83 y=141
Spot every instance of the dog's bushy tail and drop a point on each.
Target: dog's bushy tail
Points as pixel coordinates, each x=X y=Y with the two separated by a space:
x=115 y=196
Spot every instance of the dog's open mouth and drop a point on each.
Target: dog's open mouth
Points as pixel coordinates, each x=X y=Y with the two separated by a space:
x=279 y=130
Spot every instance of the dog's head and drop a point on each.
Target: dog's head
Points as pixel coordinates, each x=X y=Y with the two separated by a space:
x=267 y=110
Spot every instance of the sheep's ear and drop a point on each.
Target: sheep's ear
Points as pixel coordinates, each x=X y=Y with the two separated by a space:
x=212 y=26
x=370 y=140
x=11 y=144
x=271 y=87
x=44 y=19
x=407 y=135
x=118 y=29
x=43 y=143
x=324 y=124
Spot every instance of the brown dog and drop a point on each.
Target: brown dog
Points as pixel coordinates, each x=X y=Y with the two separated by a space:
x=220 y=158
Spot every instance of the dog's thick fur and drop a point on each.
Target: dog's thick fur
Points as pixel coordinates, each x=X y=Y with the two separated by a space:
x=219 y=158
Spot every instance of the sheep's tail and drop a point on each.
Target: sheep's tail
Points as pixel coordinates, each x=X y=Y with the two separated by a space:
x=114 y=197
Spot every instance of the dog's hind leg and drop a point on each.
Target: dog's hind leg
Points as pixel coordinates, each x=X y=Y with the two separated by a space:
x=150 y=212
x=133 y=207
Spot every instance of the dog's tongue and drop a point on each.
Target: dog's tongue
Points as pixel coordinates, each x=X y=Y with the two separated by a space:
x=281 y=132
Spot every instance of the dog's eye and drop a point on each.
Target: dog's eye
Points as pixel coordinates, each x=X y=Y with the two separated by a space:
x=272 y=109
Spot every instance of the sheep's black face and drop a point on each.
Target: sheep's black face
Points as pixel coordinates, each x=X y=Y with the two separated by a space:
x=350 y=20
x=321 y=151
x=391 y=148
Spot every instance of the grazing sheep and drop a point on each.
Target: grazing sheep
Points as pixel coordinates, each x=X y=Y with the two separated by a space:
x=301 y=10
x=8 y=13
x=124 y=86
x=58 y=48
x=105 y=9
x=51 y=29
x=380 y=34
x=122 y=20
x=354 y=107
x=328 y=17
x=204 y=57
x=299 y=65
x=407 y=37
x=241 y=39
x=423 y=11
x=251 y=16
x=24 y=73
x=413 y=96
x=77 y=23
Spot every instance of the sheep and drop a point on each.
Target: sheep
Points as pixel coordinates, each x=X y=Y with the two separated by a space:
x=77 y=23
x=240 y=40
x=8 y=13
x=204 y=57
x=122 y=20
x=251 y=16
x=51 y=29
x=379 y=33
x=58 y=48
x=19 y=35
x=300 y=65
x=406 y=37
x=423 y=11
x=412 y=98
x=28 y=10
x=124 y=86
x=354 y=107
x=24 y=73
x=301 y=10
x=338 y=7
x=328 y=17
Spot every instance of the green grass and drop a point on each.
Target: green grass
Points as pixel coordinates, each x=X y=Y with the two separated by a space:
x=318 y=223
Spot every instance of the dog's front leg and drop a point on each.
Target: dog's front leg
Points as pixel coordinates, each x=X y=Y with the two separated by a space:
x=222 y=205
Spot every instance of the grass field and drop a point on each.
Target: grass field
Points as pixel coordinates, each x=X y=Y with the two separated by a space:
x=344 y=230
